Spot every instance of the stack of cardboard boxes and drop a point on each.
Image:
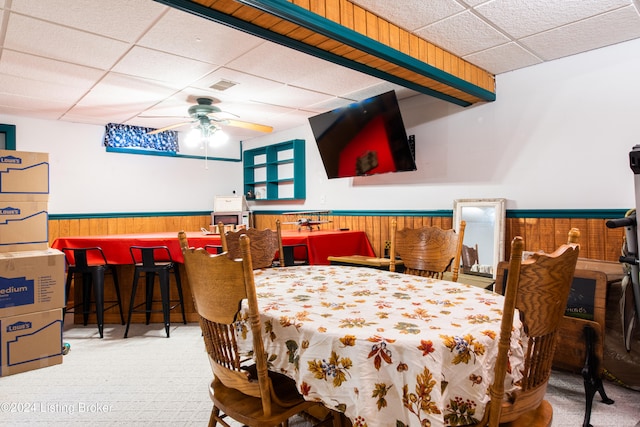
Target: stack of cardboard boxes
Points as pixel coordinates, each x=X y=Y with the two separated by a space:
x=31 y=274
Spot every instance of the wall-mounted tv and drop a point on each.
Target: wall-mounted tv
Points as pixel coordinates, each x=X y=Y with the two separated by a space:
x=364 y=138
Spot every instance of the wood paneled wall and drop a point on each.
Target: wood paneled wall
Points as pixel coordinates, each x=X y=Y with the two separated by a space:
x=597 y=241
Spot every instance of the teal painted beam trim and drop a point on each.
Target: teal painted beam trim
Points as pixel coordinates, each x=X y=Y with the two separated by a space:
x=9 y=136
x=238 y=24
x=298 y=15
x=567 y=213
x=168 y=154
x=125 y=215
x=531 y=213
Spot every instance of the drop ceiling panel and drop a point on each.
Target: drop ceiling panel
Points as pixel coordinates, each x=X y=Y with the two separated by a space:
x=175 y=71
x=599 y=31
x=248 y=85
x=190 y=36
x=48 y=70
x=124 y=20
x=412 y=14
x=463 y=34
x=504 y=58
x=41 y=38
x=524 y=18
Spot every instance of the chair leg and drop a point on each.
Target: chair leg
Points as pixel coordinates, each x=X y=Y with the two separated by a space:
x=114 y=273
x=150 y=278
x=87 y=287
x=67 y=291
x=134 y=287
x=164 y=295
x=179 y=286
x=98 y=289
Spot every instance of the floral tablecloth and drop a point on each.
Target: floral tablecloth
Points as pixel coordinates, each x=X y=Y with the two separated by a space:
x=384 y=348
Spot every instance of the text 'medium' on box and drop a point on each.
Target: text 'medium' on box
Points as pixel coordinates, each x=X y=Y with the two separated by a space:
x=24 y=176
x=31 y=281
x=30 y=341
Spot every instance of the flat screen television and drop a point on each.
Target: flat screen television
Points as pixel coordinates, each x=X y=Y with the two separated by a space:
x=364 y=138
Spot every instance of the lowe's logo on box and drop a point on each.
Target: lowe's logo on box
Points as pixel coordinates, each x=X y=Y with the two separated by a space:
x=9 y=211
x=16 y=292
x=19 y=326
x=11 y=159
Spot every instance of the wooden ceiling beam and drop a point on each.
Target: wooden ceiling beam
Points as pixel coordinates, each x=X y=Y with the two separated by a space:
x=346 y=34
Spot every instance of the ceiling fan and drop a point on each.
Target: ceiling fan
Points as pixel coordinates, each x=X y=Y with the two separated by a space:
x=207 y=117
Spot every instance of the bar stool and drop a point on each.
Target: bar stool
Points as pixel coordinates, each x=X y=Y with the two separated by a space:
x=92 y=265
x=152 y=260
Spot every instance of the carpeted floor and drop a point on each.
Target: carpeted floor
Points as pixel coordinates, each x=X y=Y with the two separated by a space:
x=149 y=380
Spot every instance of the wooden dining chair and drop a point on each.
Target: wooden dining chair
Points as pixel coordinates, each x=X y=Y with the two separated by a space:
x=265 y=244
x=247 y=392
x=427 y=251
x=538 y=288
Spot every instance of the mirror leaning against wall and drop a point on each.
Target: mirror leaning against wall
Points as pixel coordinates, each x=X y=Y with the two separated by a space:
x=483 y=245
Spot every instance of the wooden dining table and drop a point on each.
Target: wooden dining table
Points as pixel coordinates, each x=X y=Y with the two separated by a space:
x=384 y=348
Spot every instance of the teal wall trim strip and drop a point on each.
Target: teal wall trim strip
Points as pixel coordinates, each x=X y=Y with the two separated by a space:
x=205 y=12
x=167 y=154
x=333 y=30
x=125 y=215
x=530 y=213
x=9 y=136
x=568 y=213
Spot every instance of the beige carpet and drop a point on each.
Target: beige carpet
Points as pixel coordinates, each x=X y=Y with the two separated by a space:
x=149 y=380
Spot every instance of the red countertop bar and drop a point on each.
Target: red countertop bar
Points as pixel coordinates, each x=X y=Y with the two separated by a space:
x=320 y=243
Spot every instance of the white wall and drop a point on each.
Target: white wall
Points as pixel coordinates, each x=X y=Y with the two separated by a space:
x=557 y=137
x=84 y=178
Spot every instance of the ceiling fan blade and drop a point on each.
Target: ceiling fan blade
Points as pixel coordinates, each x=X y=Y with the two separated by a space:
x=247 y=125
x=176 y=125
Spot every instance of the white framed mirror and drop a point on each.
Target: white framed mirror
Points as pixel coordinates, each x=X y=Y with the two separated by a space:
x=483 y=235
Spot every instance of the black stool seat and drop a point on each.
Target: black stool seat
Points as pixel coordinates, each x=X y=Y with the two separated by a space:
x=152 y=261
x=92 y=265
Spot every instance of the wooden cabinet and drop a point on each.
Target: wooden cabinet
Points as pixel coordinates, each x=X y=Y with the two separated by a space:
x=275 y=172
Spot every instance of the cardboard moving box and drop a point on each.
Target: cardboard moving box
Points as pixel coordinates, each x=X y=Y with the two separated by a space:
x=31 y=281
x=24 y=176
x=30 y=341
x=24 y=226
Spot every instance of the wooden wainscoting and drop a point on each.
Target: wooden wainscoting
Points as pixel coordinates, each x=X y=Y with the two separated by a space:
x=125 y=225
x=596 y=241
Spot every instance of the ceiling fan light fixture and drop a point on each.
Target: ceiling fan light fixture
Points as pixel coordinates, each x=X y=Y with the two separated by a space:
x=223 y=85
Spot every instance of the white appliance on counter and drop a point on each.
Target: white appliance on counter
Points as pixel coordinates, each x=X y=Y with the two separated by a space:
x=231 y=210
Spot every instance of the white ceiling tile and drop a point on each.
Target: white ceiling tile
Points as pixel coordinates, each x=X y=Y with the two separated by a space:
x=48 y=70
x=35 y=89
x=289 y=96
x=117 y=90
x=198 y=38
x=58 y=42
x=51 y=108
x=503 y=58
x=462 y=34
x=119 y=19
x=247 y=87
x=334 y=79
x=176 y=71
x=522 y=18
x=277 y=63
x=602 y=30
x=412 y=14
